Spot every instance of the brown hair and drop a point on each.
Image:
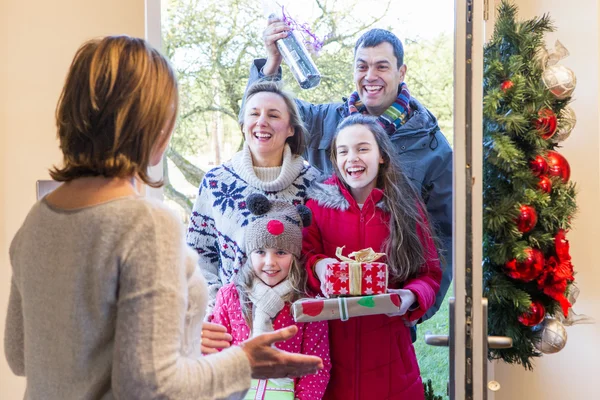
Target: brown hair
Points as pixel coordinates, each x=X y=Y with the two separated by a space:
x=405 y=251
x=118 y=104
x=297 y=141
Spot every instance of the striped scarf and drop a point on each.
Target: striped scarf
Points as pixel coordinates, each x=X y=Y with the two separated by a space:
x=394 y=117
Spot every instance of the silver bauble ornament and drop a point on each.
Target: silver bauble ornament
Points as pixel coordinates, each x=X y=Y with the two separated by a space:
x=566 y=123
x=560 y=80
x=553 y=337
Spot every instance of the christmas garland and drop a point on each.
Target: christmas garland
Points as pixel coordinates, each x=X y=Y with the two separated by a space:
x=528 y=198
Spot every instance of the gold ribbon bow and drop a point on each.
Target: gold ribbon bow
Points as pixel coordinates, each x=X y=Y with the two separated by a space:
x=354 y=265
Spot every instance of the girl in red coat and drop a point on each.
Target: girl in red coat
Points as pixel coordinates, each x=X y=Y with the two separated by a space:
x=258 y=300
x=369 y=202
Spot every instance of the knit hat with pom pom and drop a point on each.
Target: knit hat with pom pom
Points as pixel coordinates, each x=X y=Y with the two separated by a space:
x=275 y=225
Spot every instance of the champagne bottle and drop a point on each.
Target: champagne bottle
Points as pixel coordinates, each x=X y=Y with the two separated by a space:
x=298 y=59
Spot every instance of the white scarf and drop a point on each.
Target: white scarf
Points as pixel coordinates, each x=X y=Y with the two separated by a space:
x=268 y=302
x=290 y=170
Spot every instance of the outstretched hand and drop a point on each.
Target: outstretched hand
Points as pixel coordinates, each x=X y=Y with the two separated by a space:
x=268 y=362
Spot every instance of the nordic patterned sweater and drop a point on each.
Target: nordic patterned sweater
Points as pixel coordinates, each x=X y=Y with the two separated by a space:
x=216 y=229
x=107 y=302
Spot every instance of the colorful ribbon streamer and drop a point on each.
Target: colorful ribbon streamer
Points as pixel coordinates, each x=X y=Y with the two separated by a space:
x=313 y=44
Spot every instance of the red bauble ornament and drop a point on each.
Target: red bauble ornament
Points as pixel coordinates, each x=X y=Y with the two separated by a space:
x=506 y=85
x=546 y=123
x=561 y=245
x=539 y=166
x=558 y=166
x=526 y=270
x=545 y=184
x=527 y=219
x=534 y=316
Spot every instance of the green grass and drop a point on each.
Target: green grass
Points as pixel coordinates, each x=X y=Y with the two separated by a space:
x=433 y=361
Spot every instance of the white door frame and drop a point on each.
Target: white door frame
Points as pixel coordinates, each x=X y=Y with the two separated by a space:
x=468 y=337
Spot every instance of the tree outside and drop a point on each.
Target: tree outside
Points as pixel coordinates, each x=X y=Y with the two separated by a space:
x=212 y=45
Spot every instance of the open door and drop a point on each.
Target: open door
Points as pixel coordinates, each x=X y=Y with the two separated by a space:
x=467 y=339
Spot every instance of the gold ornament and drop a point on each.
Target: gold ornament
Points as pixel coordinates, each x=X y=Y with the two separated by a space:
x=545 y=58
x=558 y=53
x=573 y=318
x=541 y=57
x=553 y=338
x=566 y=123
x=560 y=80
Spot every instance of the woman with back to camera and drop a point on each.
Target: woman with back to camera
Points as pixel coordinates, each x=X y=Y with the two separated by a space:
x=105 y=299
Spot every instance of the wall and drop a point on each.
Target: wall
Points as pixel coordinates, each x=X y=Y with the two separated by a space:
x=572 y=373
x=39 y=40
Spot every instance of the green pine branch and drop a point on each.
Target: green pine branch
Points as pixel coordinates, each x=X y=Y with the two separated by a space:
x=514 y=94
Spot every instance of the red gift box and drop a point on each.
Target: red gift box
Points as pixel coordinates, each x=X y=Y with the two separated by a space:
x=358 y=276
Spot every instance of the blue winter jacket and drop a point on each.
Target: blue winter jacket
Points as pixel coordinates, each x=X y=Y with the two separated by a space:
x=425 y=155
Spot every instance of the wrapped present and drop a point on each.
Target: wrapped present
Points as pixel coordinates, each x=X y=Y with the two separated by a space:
x=271 y=389
x=308 y=310
x=356 y=276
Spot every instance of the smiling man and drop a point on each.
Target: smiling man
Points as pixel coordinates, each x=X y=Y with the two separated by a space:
x=424 y=152
x=378 y=75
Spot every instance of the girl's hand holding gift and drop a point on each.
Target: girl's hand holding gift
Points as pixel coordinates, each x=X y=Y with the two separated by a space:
x=408 y=301
x=321 y=271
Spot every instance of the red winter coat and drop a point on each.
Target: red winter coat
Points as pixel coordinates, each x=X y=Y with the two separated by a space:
x=373 y=356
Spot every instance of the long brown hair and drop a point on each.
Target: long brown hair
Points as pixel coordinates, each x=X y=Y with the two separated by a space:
x=119 y=104
x=245 y=277
x=297 y=141
x=404 y=248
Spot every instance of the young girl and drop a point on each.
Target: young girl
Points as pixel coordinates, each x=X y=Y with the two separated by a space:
x=369 y=202
x=272 y=278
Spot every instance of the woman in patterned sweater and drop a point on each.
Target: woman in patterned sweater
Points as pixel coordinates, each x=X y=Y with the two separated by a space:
x=269 y=164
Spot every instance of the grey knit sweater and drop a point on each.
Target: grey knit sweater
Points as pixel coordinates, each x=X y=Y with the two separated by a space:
x=106 y=302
